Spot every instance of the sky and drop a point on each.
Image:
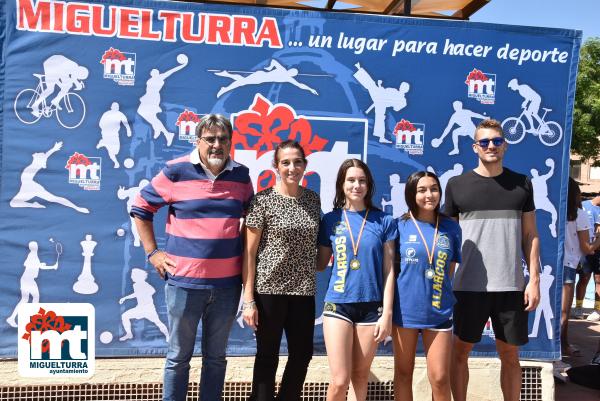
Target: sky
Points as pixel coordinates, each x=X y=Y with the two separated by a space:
x=583 y=15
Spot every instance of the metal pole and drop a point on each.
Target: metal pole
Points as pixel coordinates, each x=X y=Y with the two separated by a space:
x=407 y=7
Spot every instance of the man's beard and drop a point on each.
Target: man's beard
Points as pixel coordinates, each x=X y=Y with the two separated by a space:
x=215 y=162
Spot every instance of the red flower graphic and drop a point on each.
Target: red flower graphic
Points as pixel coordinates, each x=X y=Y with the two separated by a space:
x=44 y=321
x=78 y=158
x=264 y=125
x=112 y=54
x=404 y=125
x=476 y=75
x=187 y=116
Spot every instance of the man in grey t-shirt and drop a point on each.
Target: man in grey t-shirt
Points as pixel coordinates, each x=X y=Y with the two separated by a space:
x=495 y=208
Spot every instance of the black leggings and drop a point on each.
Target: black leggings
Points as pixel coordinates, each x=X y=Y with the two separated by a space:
x=296 y=315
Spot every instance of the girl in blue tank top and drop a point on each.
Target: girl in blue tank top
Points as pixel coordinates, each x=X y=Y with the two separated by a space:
x=429 y=246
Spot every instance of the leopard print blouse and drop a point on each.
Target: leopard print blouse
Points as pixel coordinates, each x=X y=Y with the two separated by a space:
x=286 y=257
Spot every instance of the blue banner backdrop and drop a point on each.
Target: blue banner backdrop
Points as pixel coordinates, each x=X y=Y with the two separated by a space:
x=96 y=97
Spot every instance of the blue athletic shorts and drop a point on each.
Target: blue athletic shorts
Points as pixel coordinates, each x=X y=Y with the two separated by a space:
x=356 y=313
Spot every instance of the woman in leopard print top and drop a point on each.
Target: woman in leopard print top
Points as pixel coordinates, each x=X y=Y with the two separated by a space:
x=279 y=275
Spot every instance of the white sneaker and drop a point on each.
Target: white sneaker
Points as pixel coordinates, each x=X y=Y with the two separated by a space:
x=577 y=313
x=596 y=359
x=594 y=317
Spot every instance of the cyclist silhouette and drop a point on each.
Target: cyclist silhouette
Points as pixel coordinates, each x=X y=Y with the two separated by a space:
x=548 y=132
x=61 y=71
x=531 y=104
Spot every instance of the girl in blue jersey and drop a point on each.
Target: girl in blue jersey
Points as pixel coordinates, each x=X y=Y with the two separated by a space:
x=359 y=299
x=429 y=247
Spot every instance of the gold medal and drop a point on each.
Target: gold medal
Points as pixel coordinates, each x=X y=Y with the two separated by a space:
x=354 y=263
x=429 y=272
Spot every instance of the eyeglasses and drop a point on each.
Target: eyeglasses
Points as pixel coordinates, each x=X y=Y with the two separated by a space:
x=211 y=140
x=484 y=143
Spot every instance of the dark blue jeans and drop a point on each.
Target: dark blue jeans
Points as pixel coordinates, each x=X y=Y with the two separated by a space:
x=217 y=309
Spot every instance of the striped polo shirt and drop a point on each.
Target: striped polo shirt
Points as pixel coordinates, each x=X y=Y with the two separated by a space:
x=203 y=222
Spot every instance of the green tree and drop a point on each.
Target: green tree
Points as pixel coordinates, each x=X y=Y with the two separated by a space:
x=586 y=114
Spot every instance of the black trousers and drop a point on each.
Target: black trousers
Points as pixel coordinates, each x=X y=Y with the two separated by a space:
x=295 y=315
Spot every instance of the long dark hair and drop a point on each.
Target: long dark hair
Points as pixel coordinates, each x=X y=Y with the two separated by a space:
x=410 y=193
x=573 y=200
x=340 y=199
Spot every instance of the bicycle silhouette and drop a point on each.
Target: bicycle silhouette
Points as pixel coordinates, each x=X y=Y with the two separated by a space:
x=549 y=132
x=69 y=112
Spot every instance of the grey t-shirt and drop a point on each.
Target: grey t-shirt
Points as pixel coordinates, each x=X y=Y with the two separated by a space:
x=489 y=211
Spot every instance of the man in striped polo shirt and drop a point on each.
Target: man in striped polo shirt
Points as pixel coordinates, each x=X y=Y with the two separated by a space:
x=207 y=194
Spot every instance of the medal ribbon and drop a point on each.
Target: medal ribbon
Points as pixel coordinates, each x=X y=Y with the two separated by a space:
x=355 y=247
x=435 y=233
